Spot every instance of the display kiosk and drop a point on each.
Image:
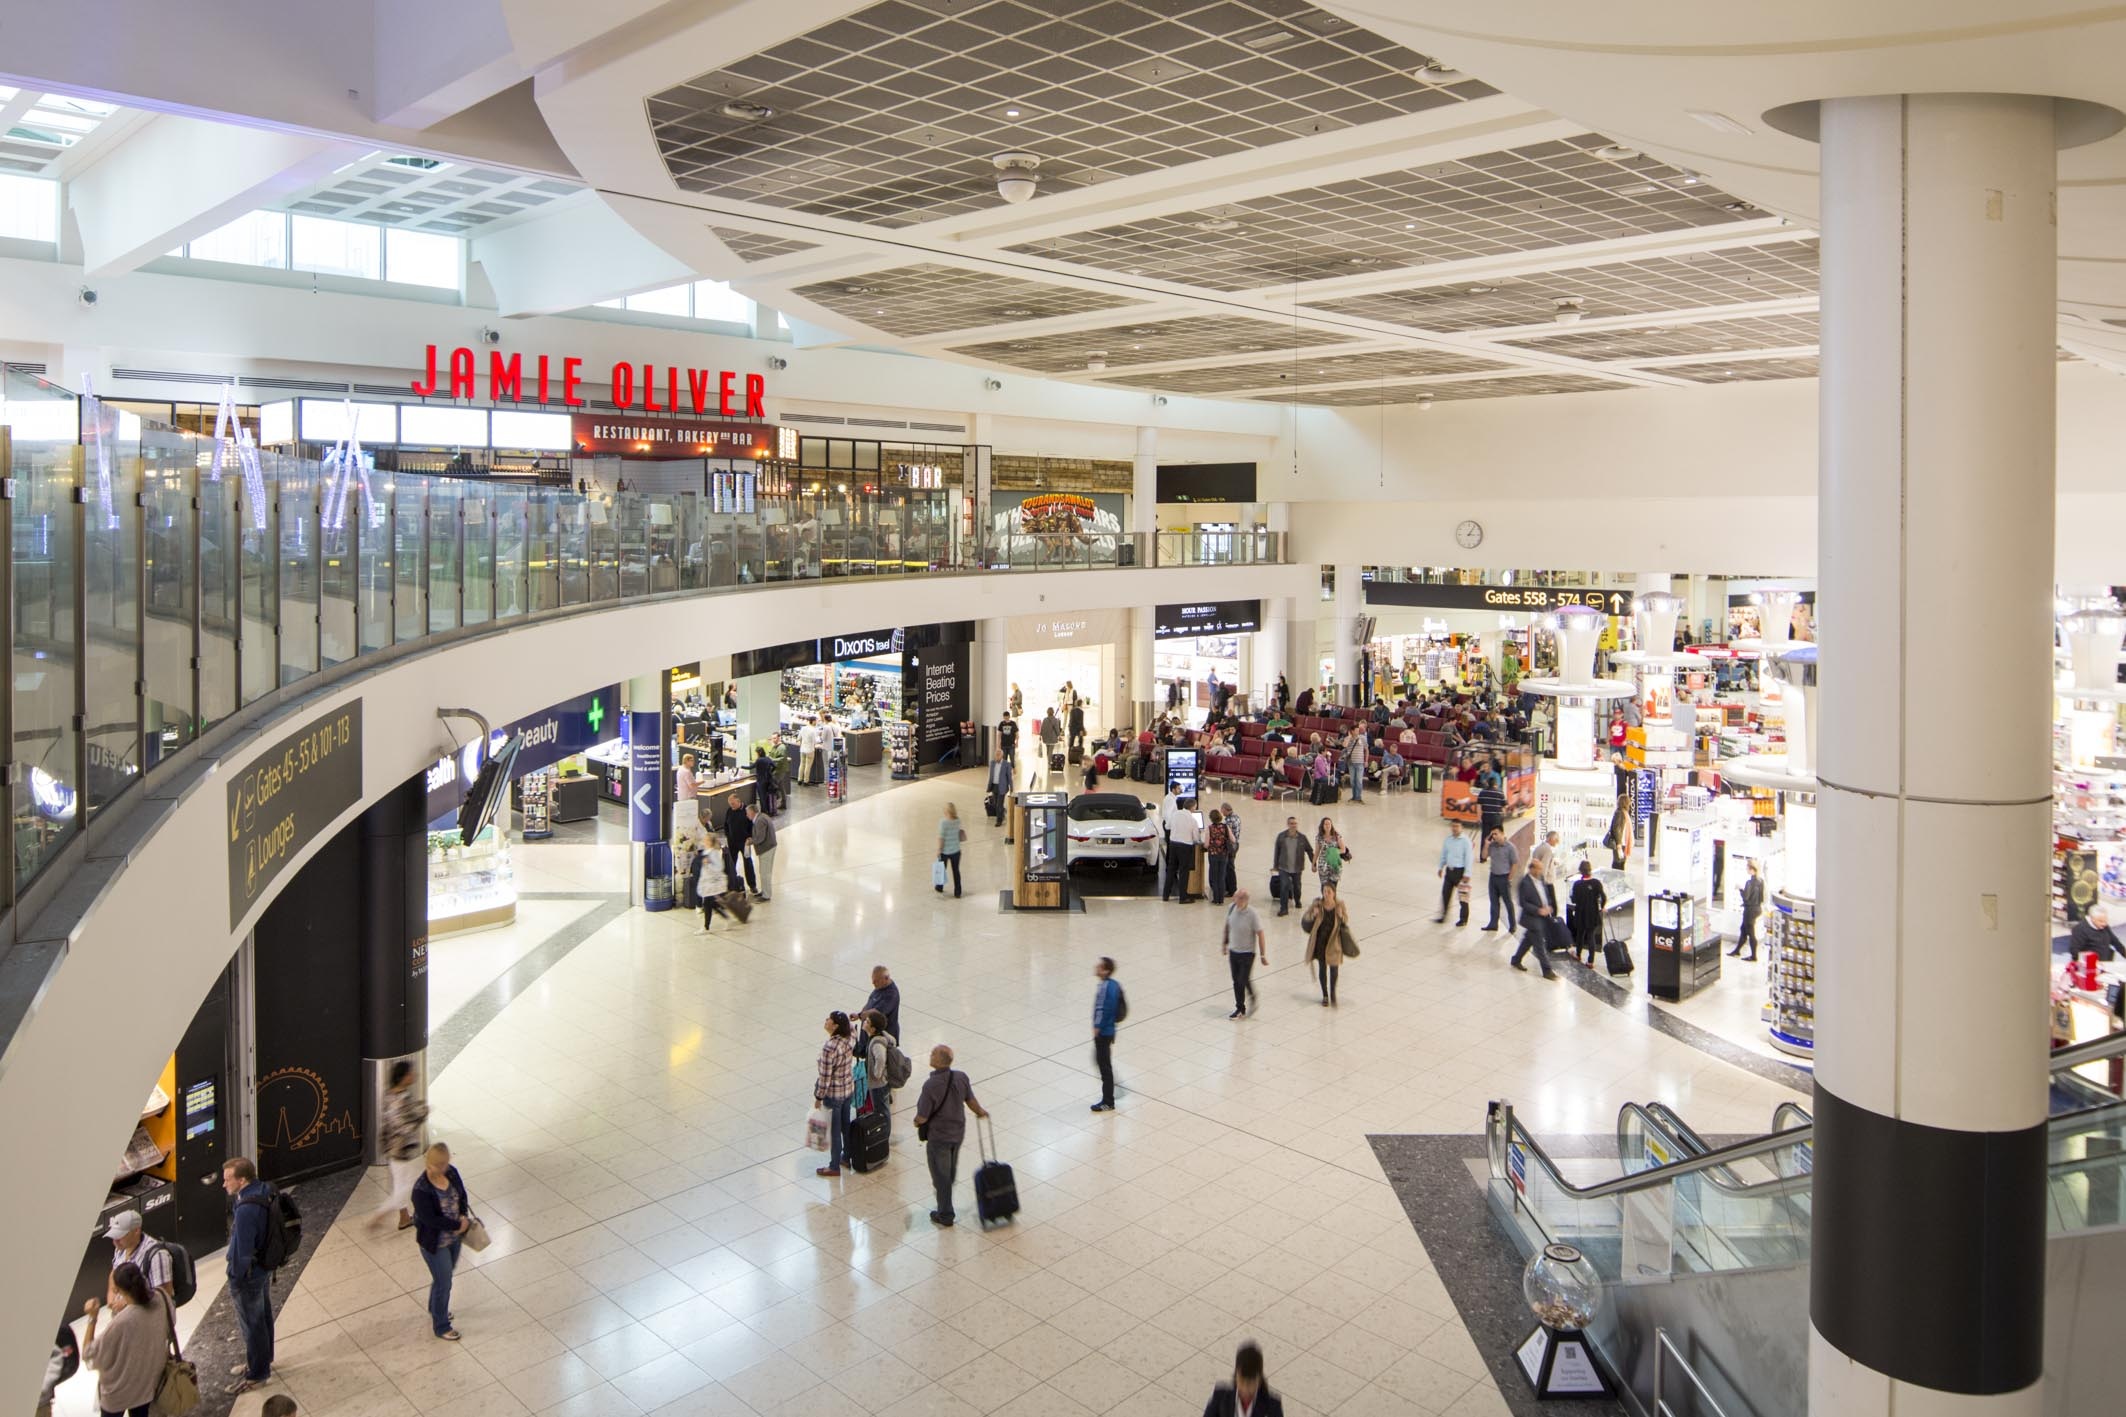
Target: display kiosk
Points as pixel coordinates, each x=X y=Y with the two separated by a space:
x=1040 y=865
x=1680 y=959
x=1789 y=922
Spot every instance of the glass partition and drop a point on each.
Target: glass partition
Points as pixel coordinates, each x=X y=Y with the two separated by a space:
x=301 y=598
x=220 y=597
x=168 y=470
x=259 y=662
x=506 y=516
x=110 y=609
x=476 y=594
x=445 y=550
x=368 y=514
x=46 y=466
x=409 y=542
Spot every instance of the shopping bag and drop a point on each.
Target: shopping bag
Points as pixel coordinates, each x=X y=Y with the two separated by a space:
x=937 y=873
x=817 y=1127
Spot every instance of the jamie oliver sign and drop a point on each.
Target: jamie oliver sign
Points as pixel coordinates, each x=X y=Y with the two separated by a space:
x=1222 y=617
x=456 y=375
x=286 y=797
x=1495 y=597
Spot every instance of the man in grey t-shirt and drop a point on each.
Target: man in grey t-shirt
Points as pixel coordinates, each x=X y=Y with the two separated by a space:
x=1245 y=942
x=941 y=1115
x=1502 y=858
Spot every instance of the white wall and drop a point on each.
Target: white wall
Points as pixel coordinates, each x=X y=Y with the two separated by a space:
x=79 y=1103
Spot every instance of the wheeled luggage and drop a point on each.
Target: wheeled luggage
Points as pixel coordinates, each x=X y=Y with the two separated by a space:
x=1616 y=954
x=1114 y=767
x=1055 y=762
x=867 y=1141
x=996 y=1190
x=1077 y=754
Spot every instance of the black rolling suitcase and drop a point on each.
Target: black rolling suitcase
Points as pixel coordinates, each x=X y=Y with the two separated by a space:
x=1055 y=762
x=1616 y=955
x=996 y=1190
x=867 y=1141
x=1077 y=754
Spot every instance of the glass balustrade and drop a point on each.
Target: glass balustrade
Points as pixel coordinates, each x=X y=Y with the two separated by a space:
x=151 y=595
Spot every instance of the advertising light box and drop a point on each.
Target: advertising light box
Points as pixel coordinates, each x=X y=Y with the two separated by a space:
x=422 y=427
x=531 y=432
x=325 y=421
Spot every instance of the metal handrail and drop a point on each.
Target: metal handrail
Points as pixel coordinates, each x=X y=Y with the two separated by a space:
x=1663 y=1119
x=1790 y=1109
x=2111 y=1045
x=1664 y=1344
x=1502 y=1116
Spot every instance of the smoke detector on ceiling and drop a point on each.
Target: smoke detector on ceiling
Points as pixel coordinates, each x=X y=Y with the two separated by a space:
x=1018 y=174
x=746 y=112
x=1096 y=361
x=1567 y=310
x=1439 y=71
x=1424 y=403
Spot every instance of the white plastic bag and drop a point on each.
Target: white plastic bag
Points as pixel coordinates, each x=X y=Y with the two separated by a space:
x=817 y=1128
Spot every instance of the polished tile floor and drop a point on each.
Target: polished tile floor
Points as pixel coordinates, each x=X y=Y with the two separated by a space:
x=631 y=1125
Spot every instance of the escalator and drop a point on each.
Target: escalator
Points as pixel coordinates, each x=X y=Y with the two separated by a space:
x=1708 y=1245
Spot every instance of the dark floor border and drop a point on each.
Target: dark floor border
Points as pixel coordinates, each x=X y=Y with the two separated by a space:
x=459 y=1030
x=1624 y=999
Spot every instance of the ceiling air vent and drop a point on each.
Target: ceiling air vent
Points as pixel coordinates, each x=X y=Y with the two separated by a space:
x=174 y=376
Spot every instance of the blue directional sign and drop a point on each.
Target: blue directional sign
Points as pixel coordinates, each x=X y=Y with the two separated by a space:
x=645 y=766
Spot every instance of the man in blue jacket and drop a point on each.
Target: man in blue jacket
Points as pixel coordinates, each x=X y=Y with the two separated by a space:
x=250 y=1283
x=1107 y=1004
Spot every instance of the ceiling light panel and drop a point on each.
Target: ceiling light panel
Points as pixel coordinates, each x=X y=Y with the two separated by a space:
x=1466 y=389
x=1707 y=337
x=913 y=301
x=910 y=95
x=1304 y=370
x=46 y=125
x=753 y=246
x=1522 y=199
x=1742 y=371
x=1193 y=337
x=1780 y=270
x=384 y=190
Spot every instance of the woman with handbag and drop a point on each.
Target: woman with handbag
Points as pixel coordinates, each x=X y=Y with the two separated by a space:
x=1329 y=940
x=1330 y=854
x=132 y=1352
x=443 y=1223
x=950 y=835
x=836 y=1085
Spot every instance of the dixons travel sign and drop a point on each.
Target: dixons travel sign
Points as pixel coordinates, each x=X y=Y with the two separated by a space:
x=648 y=388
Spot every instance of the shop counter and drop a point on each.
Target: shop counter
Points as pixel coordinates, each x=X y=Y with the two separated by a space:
x=865 y=747
x=575 y=798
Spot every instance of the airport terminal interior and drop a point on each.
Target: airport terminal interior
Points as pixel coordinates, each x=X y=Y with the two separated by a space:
x=1063 y=708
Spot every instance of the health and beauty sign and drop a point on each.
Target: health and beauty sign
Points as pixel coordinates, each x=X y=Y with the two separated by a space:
x=566 y=729
x=1535 y=599
x=1219 y=617
x=295 y=790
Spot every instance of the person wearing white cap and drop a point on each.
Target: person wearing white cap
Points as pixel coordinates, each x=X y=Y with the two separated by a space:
x=132 y=1245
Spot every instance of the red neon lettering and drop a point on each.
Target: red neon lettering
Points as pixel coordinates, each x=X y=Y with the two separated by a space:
x=461 y=375
x=698 y=388
x=671 y=388
x=756 y=390
x=649 y=390
x=424 y=390
x=569 y=381
x=623 y=385
x=542 y=378
x=723 y=390
x=505 y=376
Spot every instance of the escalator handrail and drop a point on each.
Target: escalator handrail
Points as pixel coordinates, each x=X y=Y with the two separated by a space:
x=1787 y=1109
x=2111 y=1045
x=1662 y=1118
x=1655 y=1175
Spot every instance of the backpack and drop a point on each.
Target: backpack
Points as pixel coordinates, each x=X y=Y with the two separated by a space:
x=284 y=1227
x=184 y=1276
x=1121 y=1005
x=898 y=1067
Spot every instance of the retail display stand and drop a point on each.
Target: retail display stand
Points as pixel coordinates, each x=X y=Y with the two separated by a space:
x=1680 y=960
x=900 y=748
x=469 y=887
x=1790 y=924
x=535 y=800
x=1792 y=935
x=1040 y=865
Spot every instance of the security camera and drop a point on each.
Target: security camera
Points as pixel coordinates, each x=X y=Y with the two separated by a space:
x=992 y=384
x=1097 y=361
x=1018 y=174
x=1424 y=404
x=86 y=297
x=490 y=335
x=1567 y=311
x=778 y=363
x=1158 y=400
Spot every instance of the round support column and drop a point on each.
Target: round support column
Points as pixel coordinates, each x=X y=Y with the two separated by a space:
x=1350 y=609
x=1936 y=528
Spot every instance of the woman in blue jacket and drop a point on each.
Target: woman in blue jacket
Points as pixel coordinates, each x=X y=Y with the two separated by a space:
x=442 y=1213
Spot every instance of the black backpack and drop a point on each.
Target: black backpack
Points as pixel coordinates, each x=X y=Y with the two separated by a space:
x=1121 y=1005
x=284 y=1227
x=184 y=1276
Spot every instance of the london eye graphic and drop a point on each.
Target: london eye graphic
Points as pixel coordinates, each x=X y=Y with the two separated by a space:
x=295 y=1111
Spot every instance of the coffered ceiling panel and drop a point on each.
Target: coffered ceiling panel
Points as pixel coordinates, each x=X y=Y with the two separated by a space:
x=429 y=194
x=1302 y=370
x=1463 y=389
x=751 y=246
x=1160 y=342
x=912 y=301
x=891 y=115
x=1659 y=341
x=1542 y=195
x=1744 y=371
x=1779 y=270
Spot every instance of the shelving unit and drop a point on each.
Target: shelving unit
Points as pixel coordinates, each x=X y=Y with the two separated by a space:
x=1792 y=936
x=535 y=801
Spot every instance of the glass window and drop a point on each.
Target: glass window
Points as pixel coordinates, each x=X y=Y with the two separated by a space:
x=340 y=248
x=672 y=300
x=417 y=258
x=715 y=300
x=29 y=208
x=253 y=239
x=616 y=303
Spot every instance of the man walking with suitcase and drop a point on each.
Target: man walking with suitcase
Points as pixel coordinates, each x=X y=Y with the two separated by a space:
x=941 y=1120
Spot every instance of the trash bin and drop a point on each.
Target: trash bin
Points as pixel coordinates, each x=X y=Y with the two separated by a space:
x=1421 y=777
x=657 y=876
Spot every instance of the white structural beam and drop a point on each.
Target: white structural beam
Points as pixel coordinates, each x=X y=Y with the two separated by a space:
x=545 y=266
x=175 y=178
x=436 y=60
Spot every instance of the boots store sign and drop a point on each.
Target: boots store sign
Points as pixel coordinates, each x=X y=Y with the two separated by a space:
x=546 y=378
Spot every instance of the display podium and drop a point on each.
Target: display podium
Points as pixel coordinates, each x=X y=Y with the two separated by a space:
x=1678 y=961
x=1040 y=859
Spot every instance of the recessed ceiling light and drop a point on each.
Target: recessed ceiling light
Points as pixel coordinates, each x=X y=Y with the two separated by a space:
x=1481 y=289
x=1409 y=226
x=746 y=112
x=857 y=289
x=1719 y=122
x=1616 y=152
x=1365 y=260
x=1737 y=207
x=1017 y=313
x=1269 y=39
x=1218 y=223
x=1439 y=71
x=1638 y=189
x=1136 y=346
x=1689 y=179
x=1011 y=113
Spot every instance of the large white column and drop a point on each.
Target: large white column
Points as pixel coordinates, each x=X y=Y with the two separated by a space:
x=1272 y=646
x=1936 y=528
x=995 y=683
x=1350 y=609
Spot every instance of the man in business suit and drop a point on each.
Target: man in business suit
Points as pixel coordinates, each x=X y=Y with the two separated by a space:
x=1247 y=1395
x=1752 y=907
x=1536 y=915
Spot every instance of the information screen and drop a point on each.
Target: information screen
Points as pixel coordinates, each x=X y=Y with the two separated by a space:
x=1182 y=767
x=199 y=1110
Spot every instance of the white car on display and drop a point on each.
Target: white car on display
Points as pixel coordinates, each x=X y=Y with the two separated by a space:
x=1114 y=828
